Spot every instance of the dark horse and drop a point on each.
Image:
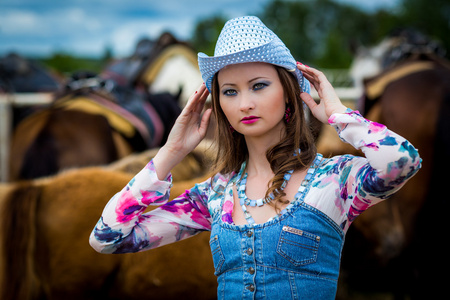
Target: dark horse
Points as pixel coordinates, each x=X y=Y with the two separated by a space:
x=96 y=119
x=397 y=246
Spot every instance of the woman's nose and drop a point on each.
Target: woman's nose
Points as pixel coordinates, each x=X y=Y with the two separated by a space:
x=246 y=103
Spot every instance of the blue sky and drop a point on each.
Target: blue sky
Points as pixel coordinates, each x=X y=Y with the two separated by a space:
x=87 y=27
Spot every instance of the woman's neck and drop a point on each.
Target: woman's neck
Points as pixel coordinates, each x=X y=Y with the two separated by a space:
x=257 y=147
x=258 y=165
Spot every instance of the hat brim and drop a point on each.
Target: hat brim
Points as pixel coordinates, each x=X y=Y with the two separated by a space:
x=274 y=52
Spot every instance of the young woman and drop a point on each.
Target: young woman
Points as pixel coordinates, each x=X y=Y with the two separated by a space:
x=277 y=210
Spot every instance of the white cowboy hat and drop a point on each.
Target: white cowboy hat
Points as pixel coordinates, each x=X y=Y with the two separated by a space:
x=247 y=39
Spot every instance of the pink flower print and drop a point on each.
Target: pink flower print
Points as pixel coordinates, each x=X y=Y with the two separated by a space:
x=358 y=206
x=228 y=207
x=227 y=215
x=127 y=208
x=331 y=119
x=149 y=197
x=373 y=146
x=375 y=127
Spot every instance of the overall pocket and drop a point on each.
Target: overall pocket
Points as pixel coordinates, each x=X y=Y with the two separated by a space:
x=297 y=246
x=217 y=255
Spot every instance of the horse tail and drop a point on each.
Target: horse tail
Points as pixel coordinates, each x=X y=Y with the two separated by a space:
x=433 y=217
x=18 y=241
x=441 y=163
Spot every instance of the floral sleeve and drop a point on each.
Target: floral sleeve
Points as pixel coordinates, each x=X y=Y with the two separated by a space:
x=390 y=160
x=125 y=226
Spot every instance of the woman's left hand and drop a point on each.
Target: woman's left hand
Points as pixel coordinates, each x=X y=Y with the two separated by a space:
x=329 y=102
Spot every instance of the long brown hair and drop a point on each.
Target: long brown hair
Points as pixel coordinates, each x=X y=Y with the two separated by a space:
x=232 y=150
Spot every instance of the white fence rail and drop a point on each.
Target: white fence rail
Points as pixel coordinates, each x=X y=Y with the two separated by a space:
x=8 y=101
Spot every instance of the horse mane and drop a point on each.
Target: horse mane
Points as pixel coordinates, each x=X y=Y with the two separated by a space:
x=18 y=241
x=168 y=108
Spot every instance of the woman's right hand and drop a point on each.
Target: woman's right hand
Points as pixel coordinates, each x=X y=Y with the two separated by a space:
x=187 y=132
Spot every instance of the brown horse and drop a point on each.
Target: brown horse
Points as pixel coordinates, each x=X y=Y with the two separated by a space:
x=96 y=120
x=45 y=253
x=78 y=131
x=55 y=139
x=388 y=247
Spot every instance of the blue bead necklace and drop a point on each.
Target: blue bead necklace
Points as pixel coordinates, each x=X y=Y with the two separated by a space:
x=242 y=185
x=244 y=200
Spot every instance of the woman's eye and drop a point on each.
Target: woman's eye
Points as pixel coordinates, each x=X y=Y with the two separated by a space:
x=229 y=92
x=259 y=86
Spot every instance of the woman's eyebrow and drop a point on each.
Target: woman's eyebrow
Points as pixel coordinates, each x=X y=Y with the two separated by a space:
x=251 y=80
x=258 y=78
x=230 y=84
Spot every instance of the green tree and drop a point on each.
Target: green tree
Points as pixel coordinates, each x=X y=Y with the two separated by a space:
x=206 y=33
x=320 y=32
x=67 y=64
x=431 y=17
x=324 y=33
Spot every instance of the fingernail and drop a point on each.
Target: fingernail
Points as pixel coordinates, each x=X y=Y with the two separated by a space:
x=299 y=63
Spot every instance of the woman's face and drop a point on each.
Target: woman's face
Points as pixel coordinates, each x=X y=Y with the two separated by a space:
x=252 y=98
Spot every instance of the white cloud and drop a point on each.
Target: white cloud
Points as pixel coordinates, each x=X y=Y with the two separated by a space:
x=125 y=37
x=77 y=18
x=87 y=26
x=17 y=22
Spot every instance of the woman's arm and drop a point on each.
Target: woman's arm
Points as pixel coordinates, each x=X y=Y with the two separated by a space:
x=390 y=160
x=392 y=157
x=124 y=227
x=187 y=132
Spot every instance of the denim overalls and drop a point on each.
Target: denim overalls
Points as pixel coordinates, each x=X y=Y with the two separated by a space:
x=294 y=256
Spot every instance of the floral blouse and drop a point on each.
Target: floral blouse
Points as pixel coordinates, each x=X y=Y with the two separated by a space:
x=342 y=187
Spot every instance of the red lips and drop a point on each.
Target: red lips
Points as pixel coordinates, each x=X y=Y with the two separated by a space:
x=249 y=120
